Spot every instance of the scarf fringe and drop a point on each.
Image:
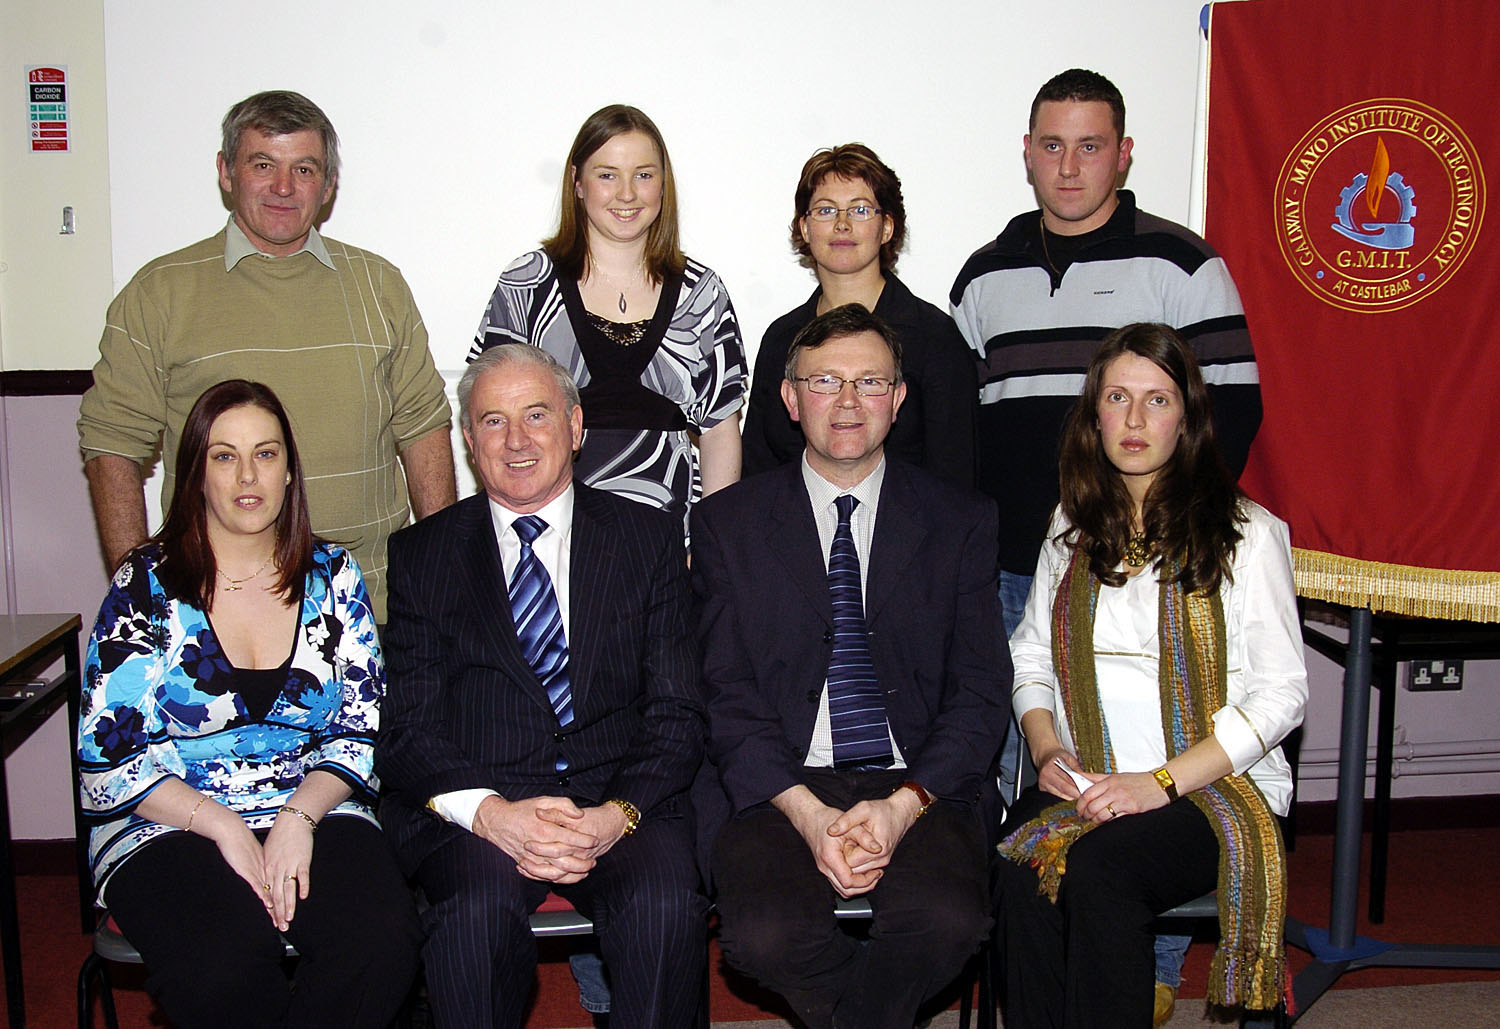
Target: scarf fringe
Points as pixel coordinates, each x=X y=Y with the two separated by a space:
x=1249 y=966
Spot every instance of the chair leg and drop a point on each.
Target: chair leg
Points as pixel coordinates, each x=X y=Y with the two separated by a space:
x=988 y=1001
x=966 y=995
x=95 y=970
x=704 y=992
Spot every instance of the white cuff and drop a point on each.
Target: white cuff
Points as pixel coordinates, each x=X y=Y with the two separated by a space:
x=460 y=806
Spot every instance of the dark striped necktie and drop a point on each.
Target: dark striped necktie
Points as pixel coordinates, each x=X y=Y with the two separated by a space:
x=856 y=707
x=539 y=620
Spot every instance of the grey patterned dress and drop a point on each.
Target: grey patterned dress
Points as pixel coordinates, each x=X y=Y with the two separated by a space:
x=683 y=373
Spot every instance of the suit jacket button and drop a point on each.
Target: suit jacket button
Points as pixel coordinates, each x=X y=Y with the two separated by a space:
x=828 y=637
x=813 y=696
x=562 y=780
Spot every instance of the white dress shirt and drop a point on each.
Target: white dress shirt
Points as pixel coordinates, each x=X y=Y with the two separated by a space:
x=823 y=493
x=552 y=548
x=1267 y=677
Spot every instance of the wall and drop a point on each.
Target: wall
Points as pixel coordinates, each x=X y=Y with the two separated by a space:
x=53 y=290
x=455 y=119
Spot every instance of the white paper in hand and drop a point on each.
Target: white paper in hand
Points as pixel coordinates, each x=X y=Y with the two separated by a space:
x=1078 y=778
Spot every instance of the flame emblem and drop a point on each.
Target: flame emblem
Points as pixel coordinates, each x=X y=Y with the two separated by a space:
x=1375 y=184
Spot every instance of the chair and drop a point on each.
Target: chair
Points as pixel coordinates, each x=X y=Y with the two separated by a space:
x=1207 y=906
x=556 y=917
x=110 y=945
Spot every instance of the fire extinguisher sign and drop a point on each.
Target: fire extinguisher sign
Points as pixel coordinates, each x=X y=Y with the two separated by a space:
x=47 y=100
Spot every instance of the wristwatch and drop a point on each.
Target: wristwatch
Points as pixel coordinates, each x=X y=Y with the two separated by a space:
x=1166 y=782
x=923 y=797
x=632 y=813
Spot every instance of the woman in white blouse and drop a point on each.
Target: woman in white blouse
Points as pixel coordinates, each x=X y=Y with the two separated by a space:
x=1157 y=667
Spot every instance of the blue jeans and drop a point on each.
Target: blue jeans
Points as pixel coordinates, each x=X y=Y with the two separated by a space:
x=1013 y=591
x=588 y=973
x=1171 y=951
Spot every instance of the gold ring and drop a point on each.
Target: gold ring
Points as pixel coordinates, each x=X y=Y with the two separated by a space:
x=1111 y=809
x=266 y=887
x=289 y=878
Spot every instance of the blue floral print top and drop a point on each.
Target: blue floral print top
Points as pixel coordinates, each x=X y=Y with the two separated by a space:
x=158 y=702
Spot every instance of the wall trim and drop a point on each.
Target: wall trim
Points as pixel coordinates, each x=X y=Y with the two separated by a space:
x=56 y=383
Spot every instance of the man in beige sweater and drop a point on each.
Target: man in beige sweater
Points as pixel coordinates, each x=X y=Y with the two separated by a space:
x=331 y=328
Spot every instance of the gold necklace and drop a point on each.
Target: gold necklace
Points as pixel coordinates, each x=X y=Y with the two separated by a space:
x=234 y=584
x=1047 y=254
x=1137 y=551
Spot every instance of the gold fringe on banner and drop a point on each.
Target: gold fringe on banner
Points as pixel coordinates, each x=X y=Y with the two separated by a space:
x=1398 y=589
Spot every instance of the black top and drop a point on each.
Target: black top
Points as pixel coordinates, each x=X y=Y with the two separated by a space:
x=935 y=426
x=615 y=397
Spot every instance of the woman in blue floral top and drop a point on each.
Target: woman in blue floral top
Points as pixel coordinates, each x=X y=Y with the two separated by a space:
x=234 y=681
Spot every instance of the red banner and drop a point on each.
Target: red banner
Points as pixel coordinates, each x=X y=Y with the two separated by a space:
x=1349 y=147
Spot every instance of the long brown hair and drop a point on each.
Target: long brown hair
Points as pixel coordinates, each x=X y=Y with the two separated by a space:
x=1193 y=506
x=569 y=246
x=188 y=567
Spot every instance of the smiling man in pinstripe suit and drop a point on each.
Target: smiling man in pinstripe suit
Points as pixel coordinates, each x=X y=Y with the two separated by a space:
x=544 y=715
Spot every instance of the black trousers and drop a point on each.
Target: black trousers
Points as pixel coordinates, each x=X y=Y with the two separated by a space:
x=1088 y=960
x=776 y=909
x=648 y=912
x=215 y=959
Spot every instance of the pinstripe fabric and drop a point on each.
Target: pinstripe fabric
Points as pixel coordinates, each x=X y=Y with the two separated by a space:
x=856 y=709
x=465 y=710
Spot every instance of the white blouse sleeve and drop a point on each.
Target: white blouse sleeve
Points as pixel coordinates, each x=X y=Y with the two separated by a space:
x=1031 y=646
x=1267 y=696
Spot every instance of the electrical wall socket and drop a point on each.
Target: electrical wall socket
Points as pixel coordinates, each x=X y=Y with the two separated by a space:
x=1426 y=676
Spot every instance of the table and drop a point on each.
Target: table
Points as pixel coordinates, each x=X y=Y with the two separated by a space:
x=1337 y=949
x=1394 y=641
x=29 y=644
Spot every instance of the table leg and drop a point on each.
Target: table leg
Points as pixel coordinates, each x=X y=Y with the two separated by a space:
x=73 y=671
x=10 y=924
x=1354 y=733
x=1380 y=821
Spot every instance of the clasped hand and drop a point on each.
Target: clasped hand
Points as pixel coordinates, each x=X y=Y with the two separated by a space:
x=279 y=871
x=1110 y=796
x=852 y=848
x=550 y=839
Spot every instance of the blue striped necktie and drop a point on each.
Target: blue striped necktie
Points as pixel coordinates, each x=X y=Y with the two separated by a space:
x=856 y=707
x=539 y=620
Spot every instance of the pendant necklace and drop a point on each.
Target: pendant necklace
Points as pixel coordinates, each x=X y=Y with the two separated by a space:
x=612 y=285
x=234 y=584
x=1137 y=552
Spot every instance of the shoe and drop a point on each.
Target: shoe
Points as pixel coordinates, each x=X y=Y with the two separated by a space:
x=1166 y=1000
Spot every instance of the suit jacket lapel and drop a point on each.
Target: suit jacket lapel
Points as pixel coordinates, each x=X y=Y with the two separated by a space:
x=899 y=533
x=792 y=535
x=481 y=577
x=591 y=573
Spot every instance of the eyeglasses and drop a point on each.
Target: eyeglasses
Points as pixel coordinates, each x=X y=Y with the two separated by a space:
x=856 y=212
x=869 y=386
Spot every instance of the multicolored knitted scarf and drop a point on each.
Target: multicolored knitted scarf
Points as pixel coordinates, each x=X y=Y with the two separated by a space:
x=1249 y=968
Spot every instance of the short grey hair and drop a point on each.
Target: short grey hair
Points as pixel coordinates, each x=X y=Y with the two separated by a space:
x=513 y=353
x=278 y=112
